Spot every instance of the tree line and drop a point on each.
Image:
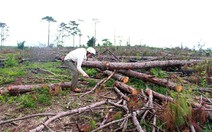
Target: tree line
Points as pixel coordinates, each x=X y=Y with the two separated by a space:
x=65 y=30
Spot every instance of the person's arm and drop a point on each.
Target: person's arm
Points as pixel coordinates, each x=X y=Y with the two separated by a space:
x=79 y=68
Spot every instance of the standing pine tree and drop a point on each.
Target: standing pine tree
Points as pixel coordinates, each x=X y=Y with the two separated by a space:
x=49 y=19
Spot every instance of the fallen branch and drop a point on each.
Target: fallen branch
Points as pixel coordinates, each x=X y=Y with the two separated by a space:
x=136 y=123
x=26 y=117
x=66 y=113
x=121 y=94
x=112 y=122
x=98 y=84
x=107 y=115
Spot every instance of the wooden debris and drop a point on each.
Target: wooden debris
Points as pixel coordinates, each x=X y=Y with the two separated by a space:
x=121 y=94
x=98 y=84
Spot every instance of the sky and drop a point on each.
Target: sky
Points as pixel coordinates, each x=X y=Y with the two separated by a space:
x=155 y=23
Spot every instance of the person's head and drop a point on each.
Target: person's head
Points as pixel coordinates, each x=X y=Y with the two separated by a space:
x=91 y=52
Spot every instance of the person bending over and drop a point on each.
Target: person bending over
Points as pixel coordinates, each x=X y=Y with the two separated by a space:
x=74 y=61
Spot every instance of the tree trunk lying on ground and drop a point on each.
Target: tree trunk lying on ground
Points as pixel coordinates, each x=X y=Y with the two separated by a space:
x=110 y=57
x=138 y=58
x=116 y=76
x=152 y=79
x=18 y=89
x=137 y=65
x=125 y=88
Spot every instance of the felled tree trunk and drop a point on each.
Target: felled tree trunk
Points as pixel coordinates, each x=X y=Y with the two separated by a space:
x=116 y=76
x=18 y=89
x=110 y=57
x=152 y=79
x=125 y=88
x=137 y=65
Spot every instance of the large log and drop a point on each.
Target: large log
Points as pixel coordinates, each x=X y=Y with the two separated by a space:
x=18 y=89
x=150 y=78
x=138 y=65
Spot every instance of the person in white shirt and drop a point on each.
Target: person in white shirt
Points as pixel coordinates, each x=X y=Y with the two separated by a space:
x=74 y=61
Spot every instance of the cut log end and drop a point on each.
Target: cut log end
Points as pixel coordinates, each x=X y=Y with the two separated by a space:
x=127 y=98
x=107 y=64
x=55 y=90
x=1 y=92
x=9 y=88
x=178 y=88
x=125 y=79
x=134 y=92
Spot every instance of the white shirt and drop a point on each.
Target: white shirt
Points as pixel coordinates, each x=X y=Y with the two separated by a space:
x=77 y=55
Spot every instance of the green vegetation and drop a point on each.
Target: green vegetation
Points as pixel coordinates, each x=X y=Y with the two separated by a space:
x=39 y=97
x=157 y=72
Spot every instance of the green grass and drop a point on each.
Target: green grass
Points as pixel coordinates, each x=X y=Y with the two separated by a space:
x=38 y=97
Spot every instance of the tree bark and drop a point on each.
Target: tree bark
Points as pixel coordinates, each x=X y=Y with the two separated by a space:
x=138 y=65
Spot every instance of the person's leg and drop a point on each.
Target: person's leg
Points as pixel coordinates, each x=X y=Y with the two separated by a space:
x=74 y=74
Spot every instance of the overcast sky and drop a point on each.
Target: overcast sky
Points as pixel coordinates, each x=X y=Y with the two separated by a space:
x=157 y=23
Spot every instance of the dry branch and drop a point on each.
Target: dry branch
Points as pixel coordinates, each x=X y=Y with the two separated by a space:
x=136 y=123
x=66 y=113
x=121 y=94
x=107 y=115
x=98 y=84
x=112 y=122
x=26 y=117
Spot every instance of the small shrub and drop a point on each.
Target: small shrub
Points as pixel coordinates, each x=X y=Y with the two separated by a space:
x=157 y=72
x=10 y=61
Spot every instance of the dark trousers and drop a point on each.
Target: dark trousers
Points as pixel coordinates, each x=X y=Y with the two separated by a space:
x=74 y=73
